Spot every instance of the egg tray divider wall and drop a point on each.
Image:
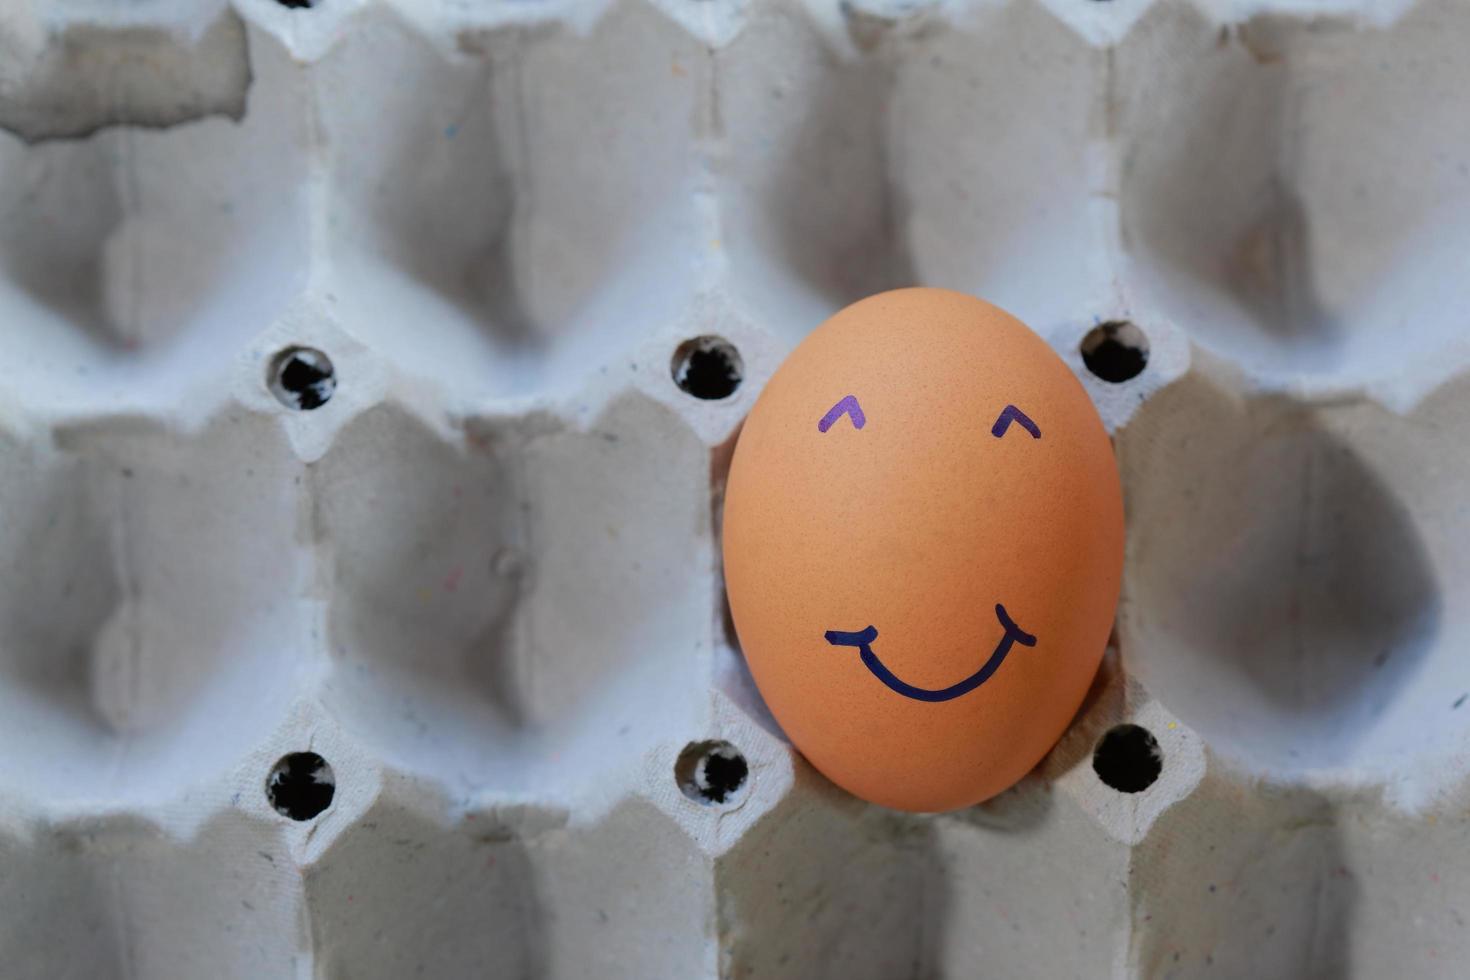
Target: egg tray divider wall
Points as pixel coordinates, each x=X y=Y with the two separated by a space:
x=480 y=583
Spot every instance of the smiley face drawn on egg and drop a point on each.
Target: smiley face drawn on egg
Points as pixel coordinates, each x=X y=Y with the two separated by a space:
x=863 y=639
x=923 y=582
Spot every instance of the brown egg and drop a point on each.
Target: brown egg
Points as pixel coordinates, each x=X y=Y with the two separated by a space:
x=923 y=537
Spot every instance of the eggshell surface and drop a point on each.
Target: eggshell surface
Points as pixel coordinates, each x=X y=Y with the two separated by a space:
x=922 y=488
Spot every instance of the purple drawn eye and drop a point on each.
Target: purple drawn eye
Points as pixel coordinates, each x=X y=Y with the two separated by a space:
x=1011 y=414
x=848 y=406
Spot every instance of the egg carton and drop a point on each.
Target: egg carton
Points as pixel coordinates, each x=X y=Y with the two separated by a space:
x=369 y=372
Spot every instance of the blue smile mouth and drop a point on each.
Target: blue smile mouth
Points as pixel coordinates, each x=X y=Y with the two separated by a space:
x=863 y=640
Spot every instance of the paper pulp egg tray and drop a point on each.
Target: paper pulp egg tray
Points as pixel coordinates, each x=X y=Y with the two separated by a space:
x=369 y=372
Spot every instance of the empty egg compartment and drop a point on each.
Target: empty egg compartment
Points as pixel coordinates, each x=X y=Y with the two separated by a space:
x=1289 y=588
x=145 y=646
x=494 y=601
x=494 y=218
x=136 y=260
x=1293 y=190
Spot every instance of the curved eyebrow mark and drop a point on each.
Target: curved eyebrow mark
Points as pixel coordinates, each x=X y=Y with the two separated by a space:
x=1011 y=414
x=847 y=406
x=863 y=640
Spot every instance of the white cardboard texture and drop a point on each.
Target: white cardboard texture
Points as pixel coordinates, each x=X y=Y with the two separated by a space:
x=482 y=581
